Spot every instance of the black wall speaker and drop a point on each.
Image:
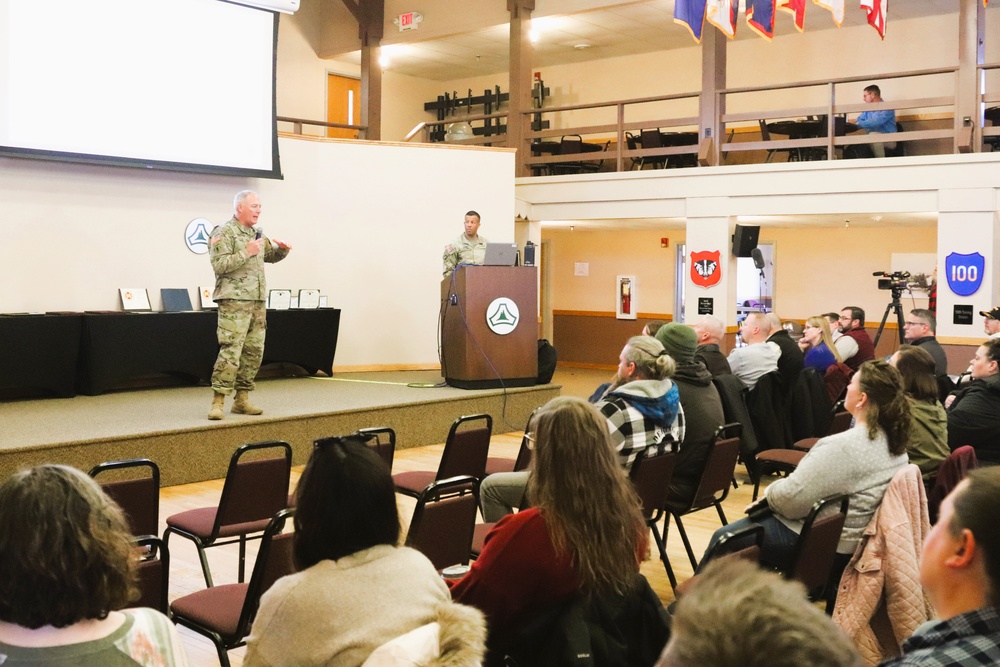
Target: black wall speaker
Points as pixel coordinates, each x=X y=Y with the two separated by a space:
x=745 y=240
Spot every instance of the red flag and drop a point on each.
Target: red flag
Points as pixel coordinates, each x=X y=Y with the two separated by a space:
x=796 y=7
x=877 y=11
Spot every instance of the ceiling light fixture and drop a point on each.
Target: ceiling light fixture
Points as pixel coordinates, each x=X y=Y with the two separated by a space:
x=582 y=46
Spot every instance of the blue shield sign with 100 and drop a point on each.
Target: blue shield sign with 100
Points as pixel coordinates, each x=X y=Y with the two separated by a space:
x=964 y=272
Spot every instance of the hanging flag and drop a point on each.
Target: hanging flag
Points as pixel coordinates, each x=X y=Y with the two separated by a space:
x=796 y=7
x=836 y=8
x=691 y=15
x=722 y=14
x=877 y=10
x=760 y=17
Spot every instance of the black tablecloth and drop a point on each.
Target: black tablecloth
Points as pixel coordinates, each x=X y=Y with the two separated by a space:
x=40 y=352
x=116 y=347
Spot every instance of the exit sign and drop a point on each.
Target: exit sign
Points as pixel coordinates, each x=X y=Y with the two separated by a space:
x=408 y=21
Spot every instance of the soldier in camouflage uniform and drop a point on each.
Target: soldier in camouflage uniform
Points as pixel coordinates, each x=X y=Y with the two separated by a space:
x=468 y=248
x=238 y=254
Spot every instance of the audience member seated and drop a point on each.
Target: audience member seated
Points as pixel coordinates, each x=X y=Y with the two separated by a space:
x=991 y=321
x=758 y=356
x=67 y=563
x=974 y=411
x=854 y=343
x=643 y=411
x=737 y=614
x=355 y=589
x=928 y=446
x=651 y=328
x=710 y=331
x=960 y=572
x=700 y=404
x=920 y=331
x=790 y=363
x=859 y=462
x=583 y=533
x=817 y=344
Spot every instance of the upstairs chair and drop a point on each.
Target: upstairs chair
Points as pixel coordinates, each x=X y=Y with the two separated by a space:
x=713 y=487
x=765 y=135
x=138 y=495
x=816 y=549
x=382 y=439
x=443 y=521
x=465 y=453
x=501 y=464
x=898 y=150
x=652 y=139
x=153 y=573
x=225 y=613
x=254 y=491
x=651 y=477
x=632 y=142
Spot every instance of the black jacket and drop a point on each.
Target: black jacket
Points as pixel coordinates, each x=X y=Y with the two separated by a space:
x=791 y=361
x=703 y=415
x=974 y=419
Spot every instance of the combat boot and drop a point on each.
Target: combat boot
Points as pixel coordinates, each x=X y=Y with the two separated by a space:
x=243 y=406
x=218 y=403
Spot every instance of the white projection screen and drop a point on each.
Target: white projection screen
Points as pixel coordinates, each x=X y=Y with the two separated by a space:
x=182 y=85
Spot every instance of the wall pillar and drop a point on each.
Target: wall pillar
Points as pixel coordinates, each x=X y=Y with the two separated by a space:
x=968 y=223
x=705 y=236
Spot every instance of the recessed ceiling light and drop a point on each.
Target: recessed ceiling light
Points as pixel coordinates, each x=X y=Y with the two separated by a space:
x=581 y=46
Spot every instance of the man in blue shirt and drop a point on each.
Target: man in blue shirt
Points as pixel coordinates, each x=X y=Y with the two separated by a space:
x=877 y=122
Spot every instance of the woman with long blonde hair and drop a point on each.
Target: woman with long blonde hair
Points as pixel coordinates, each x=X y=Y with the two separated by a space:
x=584 y=532
x=817 y=343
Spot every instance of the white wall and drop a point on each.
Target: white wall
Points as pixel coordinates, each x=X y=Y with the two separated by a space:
x=367 y=223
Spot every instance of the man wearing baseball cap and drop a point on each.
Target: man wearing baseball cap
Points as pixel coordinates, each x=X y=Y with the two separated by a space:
x=992 y=322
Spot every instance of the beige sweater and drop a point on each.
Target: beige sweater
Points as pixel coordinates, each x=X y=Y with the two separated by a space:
x=335 y=613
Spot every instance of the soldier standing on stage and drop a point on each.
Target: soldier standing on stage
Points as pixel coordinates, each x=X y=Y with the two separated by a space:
x=238 y=253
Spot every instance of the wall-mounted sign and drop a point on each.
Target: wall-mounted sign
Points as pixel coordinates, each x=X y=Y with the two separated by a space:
x=964 y=272
x=196 y=235
x=706 y=269
x=706 y=305
x=962 y=315
x=408 y=21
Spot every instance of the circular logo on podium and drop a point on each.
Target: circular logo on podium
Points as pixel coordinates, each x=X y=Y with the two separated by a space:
x=502 y=316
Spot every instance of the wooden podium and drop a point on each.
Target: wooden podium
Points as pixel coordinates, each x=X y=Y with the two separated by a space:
x=489 y=327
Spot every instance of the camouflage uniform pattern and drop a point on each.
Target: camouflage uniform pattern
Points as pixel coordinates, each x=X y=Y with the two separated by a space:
x=464 y=251
x=240 y=292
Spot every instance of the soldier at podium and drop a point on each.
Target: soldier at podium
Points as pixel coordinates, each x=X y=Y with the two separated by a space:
x=468 y=248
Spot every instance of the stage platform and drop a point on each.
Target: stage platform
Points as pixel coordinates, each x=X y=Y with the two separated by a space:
x=169 y=425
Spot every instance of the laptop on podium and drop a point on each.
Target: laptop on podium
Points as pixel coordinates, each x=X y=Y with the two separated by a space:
x=501 y=254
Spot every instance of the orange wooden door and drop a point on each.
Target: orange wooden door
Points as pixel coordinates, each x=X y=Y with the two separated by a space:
x=343 y=104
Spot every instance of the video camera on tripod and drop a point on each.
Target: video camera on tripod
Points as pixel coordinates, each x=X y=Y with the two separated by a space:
x=895 y=281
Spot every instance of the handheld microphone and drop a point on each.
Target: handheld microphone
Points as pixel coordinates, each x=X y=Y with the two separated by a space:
x=260 y=232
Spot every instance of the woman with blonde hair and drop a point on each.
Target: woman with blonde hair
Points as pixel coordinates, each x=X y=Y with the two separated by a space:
x=817 y=343
x=67 y=564
x=584 y=532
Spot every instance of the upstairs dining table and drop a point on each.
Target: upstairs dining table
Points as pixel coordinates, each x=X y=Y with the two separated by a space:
x=670 y=140
x=811 y=128
x=539 y=148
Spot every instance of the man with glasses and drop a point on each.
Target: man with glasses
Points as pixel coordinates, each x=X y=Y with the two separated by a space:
x=855 y=345
x=919 y=330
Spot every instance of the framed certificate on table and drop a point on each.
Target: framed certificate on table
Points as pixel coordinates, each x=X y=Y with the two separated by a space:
x=134 y=299
x=279 y=299
x=308 y=298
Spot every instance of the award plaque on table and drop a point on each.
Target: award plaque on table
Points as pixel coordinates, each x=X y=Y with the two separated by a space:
x=308 y=298
x=206 y=298
x=175 y=300
x=279 y=299
x=134 y=299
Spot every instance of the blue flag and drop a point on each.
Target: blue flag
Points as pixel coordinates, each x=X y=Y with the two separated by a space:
x=690 y=14
x=760 y=17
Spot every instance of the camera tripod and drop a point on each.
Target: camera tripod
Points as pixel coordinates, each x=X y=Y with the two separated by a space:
x=897 y=307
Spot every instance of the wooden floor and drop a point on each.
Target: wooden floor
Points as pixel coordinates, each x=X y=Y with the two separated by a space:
x=186 y=577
